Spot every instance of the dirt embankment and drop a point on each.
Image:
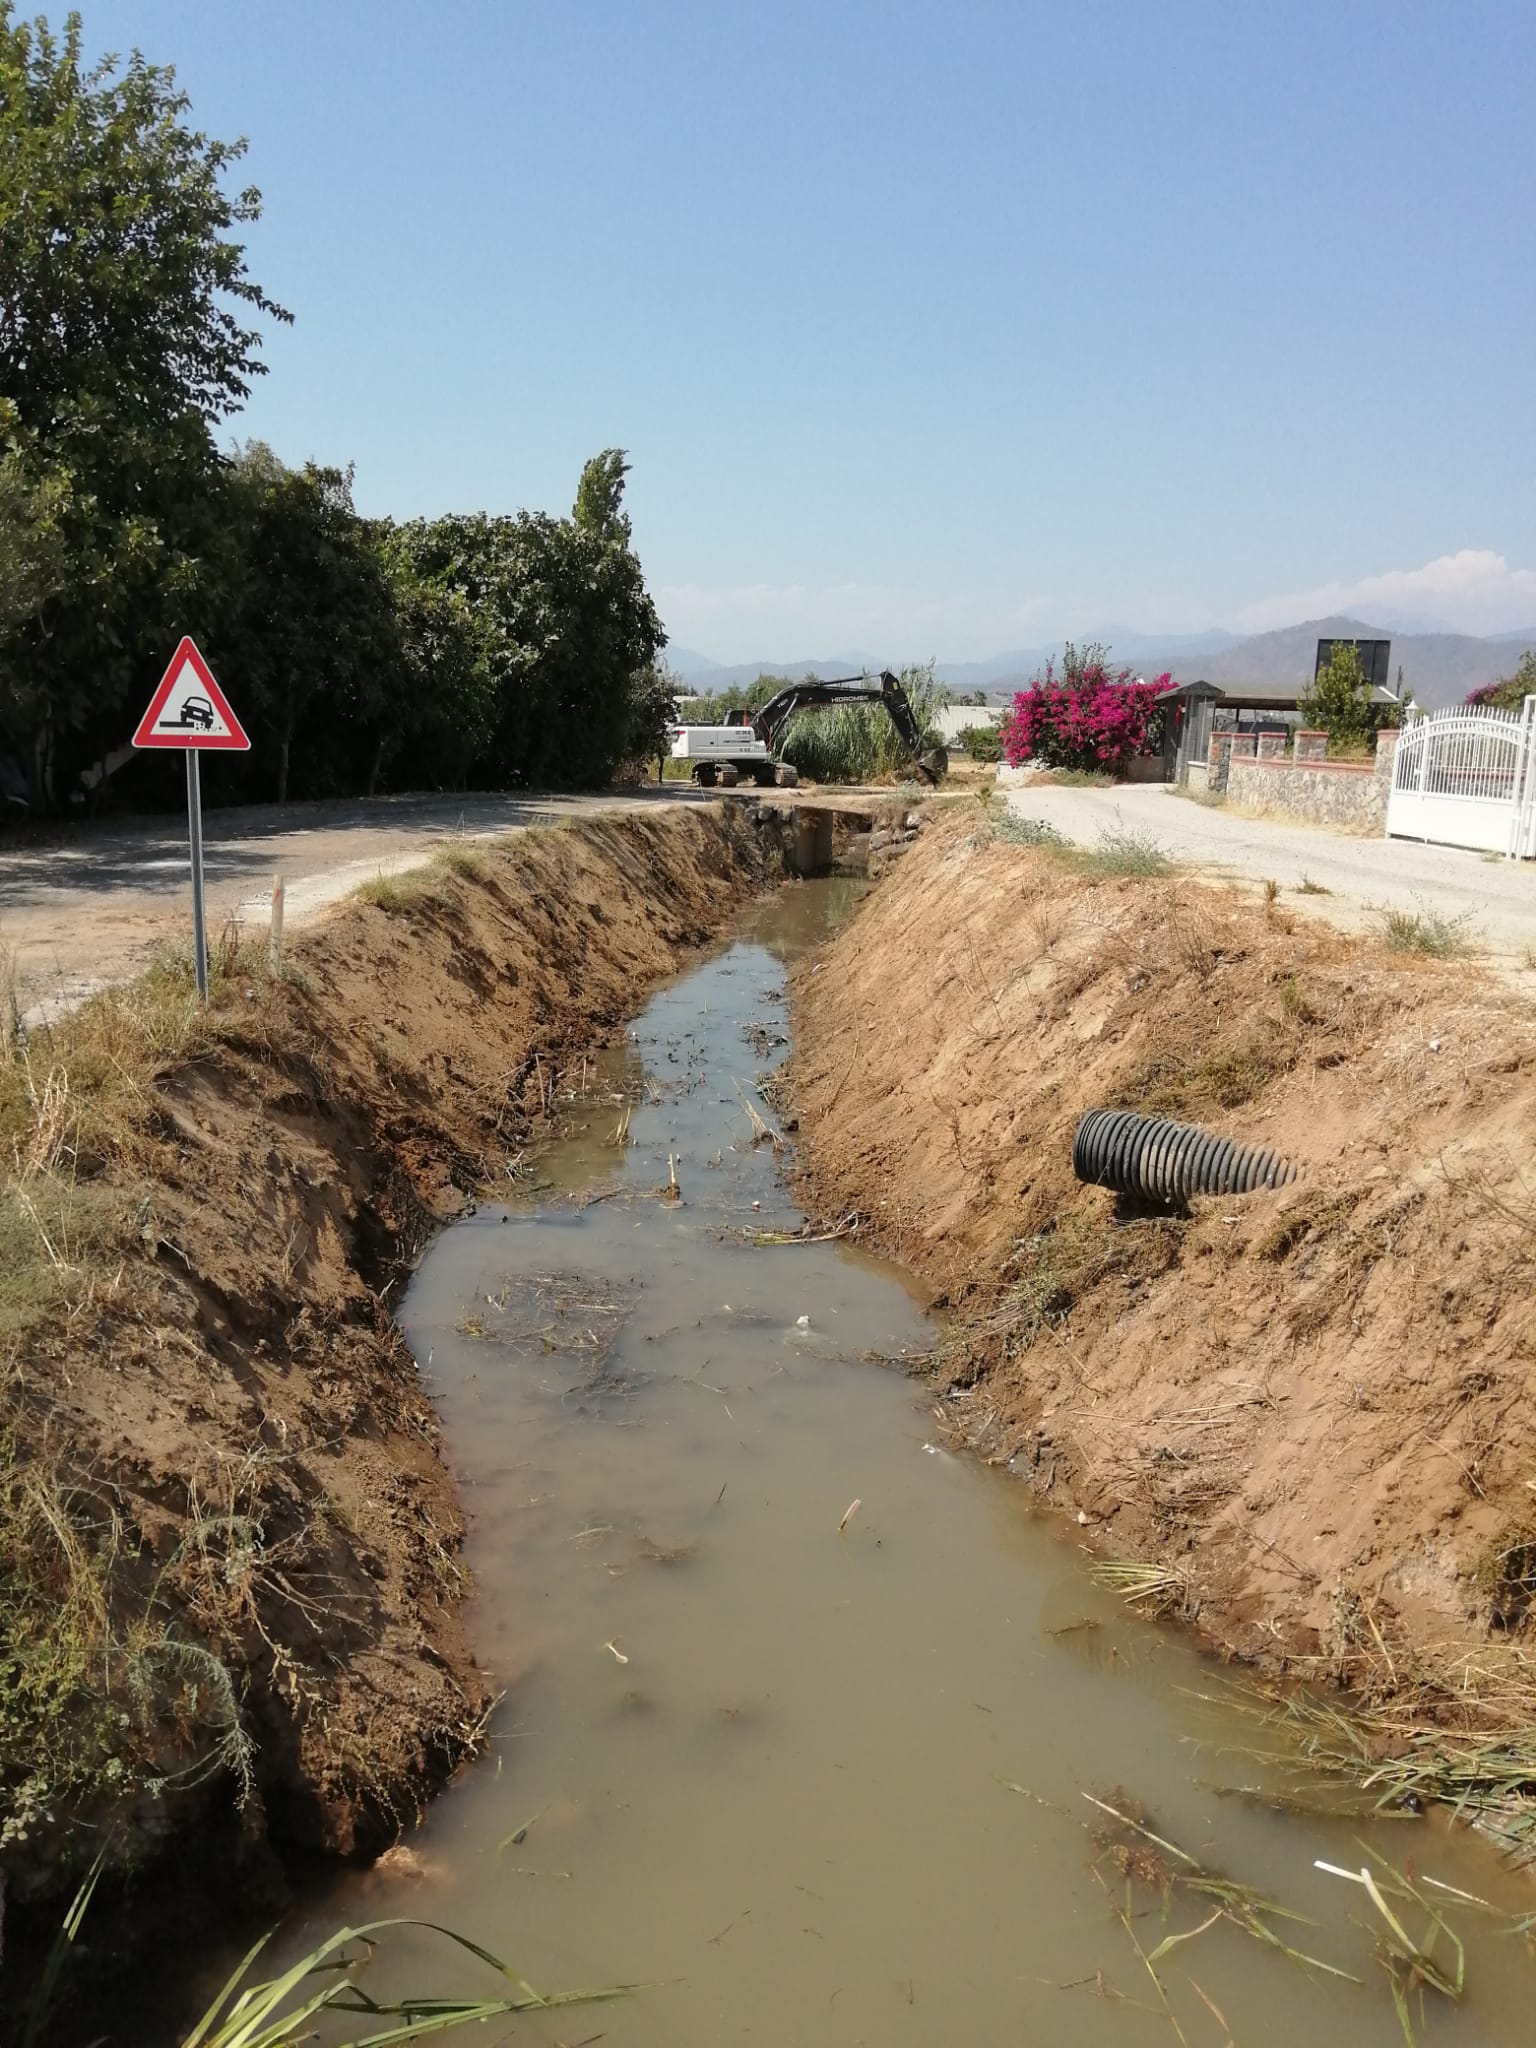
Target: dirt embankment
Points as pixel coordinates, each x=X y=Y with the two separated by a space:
x=231 y=1544
x=1312 y=1408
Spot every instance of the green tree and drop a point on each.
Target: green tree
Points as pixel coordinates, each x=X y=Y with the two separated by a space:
x=125 y=335
x=599 y=508
x=30 y=550
x=313 y=634
x=564 y=626
x=652 y=713
x=1339 y=701
x=1510 y=693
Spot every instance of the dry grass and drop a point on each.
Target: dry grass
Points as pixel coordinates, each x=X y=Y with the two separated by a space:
x=97 y=1691
x=460 y=857
x=1428 y=932
x=1150 y=1588
x=1212 y=799
x=1118 y=854
x=399 y=895
x=92 y=1676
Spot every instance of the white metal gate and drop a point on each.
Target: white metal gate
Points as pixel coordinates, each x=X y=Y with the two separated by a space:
x=1467 y=778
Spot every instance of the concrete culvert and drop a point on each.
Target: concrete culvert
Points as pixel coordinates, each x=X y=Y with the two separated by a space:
x=1167 y=1162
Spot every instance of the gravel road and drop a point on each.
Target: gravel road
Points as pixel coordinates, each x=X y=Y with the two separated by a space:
x=1497 y=898
x=91 y=907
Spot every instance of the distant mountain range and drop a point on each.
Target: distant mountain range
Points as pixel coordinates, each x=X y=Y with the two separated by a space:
x=1438 y=667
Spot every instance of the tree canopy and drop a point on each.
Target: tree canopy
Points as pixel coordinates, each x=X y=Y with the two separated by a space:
x=1339 y=701
x=469 y=649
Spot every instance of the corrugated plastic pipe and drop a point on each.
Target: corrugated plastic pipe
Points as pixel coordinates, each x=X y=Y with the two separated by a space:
x=1148 y=1155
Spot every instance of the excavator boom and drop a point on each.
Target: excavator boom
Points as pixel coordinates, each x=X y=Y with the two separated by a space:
x=769 y=722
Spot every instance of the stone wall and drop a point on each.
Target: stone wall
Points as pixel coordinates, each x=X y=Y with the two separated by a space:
x=1346 y=796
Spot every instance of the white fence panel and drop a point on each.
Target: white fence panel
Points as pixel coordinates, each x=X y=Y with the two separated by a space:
x=1467 y=778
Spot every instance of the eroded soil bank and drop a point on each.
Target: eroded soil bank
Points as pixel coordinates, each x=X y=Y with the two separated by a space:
x=232 y=1544
x=1312 y=1407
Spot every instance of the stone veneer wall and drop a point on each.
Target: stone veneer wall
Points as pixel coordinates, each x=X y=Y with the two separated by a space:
x=1348 y=796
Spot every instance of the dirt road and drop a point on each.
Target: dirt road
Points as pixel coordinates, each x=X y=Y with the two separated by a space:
x=1362 y=876
x=91 y=907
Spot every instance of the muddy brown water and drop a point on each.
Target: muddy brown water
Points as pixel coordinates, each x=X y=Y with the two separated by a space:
x=809 y=1777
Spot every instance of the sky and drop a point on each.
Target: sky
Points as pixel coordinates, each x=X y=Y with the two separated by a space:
x=929 y=328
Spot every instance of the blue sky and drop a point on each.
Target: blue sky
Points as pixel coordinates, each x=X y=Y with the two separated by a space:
x=929 y=328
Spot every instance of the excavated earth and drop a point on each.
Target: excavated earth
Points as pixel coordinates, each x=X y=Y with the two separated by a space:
x=1311 y=1407
x=224 y=1400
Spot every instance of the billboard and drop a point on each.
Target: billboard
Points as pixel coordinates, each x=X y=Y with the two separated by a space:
x=1375 y=659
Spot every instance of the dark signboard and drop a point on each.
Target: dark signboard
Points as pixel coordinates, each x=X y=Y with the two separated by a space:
x=1375 y=659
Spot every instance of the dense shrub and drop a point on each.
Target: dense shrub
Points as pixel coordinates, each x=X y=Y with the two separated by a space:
x=982 y=742
x=1086 y=717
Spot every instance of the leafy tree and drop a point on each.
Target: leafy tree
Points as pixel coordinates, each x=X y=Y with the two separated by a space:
x=444 y=701
x=30 y=553
x=599 y=508
x=715 y=707
x=652 y=713
x=563 y=625
x=1510 y=693
x=312 y=633
x=124 y=336
x=1339 y=701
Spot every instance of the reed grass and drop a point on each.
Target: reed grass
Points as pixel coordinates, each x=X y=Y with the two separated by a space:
x=279 y=2011
x=1153 y=1588
x=1405 y=1754
x=858 y=742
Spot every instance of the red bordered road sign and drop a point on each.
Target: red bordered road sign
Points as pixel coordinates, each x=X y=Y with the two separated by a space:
x=189 y=709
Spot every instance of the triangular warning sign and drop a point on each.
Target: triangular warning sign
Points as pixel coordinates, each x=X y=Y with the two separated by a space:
x=189 y=709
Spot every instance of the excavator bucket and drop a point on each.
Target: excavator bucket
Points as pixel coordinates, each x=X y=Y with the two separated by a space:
x=934 y=765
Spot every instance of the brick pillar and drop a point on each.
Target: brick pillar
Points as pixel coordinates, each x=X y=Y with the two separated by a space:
x=1219 y=760
x=1386 y=755
x=1272 y=746
x=1245 y=746
x=1311 y=746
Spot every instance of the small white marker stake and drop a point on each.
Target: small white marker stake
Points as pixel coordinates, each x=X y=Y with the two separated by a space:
x=275 y=935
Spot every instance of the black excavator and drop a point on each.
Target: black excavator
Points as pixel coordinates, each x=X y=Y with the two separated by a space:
x=717 y=756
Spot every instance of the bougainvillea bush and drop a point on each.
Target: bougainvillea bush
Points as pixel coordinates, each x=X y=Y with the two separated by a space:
x=1085 y=717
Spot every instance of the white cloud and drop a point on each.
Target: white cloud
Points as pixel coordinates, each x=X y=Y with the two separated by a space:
x=796 y=621
x=1474 y=591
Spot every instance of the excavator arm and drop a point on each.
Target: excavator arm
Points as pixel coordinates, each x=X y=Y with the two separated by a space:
x=769 y=721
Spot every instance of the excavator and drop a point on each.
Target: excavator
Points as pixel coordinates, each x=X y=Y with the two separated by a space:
x=747 y=745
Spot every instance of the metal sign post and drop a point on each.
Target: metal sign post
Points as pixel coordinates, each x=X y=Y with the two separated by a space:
x=191 y=712
x=195 y=836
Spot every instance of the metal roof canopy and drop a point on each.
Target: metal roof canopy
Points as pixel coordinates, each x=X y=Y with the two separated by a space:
x=1281 y=696
x=1200 y=691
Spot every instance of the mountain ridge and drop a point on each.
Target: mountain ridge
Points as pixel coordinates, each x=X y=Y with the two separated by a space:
x=1438 y=667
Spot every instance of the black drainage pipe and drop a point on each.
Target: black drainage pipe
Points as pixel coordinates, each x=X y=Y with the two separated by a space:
x=1151 y=1156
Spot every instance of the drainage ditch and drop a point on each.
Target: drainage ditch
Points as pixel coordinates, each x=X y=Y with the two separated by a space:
x=810 y=1727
